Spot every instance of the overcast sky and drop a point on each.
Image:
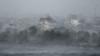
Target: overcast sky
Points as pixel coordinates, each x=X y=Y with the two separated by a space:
x=52 y=7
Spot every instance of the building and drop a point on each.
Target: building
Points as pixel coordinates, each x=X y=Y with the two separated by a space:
x=46 y=23
x=72 y=22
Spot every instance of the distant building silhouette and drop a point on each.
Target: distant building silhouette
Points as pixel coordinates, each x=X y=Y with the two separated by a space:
x=47 y=23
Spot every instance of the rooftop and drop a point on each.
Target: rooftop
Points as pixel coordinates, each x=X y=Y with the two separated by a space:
x=48 y=18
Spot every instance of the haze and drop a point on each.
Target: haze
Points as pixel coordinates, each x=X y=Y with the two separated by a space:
x=25 y=8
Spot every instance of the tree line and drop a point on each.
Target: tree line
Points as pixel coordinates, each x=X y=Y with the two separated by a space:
x=53 y=35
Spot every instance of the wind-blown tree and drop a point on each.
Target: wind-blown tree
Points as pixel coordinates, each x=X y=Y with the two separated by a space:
x=66 y=36
x=83 y=37
x=4 y=36
x=94 y=38
x=49 y=35
x=55 y=36
x=98 y=39
x=8 y=35
x=22 y=36
x=32 y=30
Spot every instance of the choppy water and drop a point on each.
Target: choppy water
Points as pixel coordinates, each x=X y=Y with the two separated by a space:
x=45 y=54
x=47 y=50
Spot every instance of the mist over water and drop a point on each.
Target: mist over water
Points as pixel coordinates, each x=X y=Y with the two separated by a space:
x=50 y=27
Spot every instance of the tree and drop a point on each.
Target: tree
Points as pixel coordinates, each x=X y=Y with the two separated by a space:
x=23 y=36
x=94 y=38
x=83 y=37
x=4 y=36
x=32 y=30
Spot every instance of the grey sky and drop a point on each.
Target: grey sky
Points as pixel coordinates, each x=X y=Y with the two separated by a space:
x=52 y=7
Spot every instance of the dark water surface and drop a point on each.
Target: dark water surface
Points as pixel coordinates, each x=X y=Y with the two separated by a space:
x=49 y=54
x=47 y=50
